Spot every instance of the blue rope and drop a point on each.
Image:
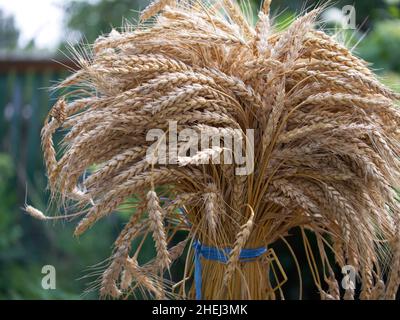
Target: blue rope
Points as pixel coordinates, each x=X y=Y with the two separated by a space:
x=221 y=255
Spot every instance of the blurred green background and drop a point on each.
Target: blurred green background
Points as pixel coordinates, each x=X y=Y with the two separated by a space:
x=26 y=73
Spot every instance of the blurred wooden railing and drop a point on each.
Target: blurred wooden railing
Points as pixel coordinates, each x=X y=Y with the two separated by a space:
x=25 y=99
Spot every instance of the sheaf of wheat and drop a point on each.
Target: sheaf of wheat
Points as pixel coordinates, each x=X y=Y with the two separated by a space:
x=326 y=148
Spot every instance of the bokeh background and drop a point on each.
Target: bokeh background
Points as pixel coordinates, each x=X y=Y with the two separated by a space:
x=35 y=41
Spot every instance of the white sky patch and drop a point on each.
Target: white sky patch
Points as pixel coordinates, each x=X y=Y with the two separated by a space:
x=41 y=20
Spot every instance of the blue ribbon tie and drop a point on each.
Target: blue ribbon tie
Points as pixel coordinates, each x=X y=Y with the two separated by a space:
x=221 y=255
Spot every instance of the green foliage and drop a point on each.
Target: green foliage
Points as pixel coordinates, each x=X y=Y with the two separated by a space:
x=382 y=46
x=392 y=80
x=10 y=232
x=8 y=32
x=92 y=19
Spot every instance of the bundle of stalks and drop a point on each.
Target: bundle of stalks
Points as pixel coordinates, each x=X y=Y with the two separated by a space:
x=325 y=151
